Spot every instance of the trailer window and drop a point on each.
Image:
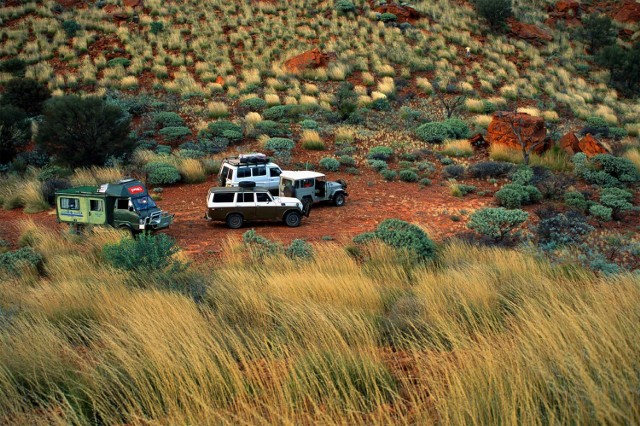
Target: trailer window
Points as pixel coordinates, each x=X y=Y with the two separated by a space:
x=70 y=203
x=96 y=205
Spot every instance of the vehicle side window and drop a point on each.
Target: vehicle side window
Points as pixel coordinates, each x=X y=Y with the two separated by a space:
x=96 y=205
x=244 y=172
x=246 y=197
x=70 y=203
x=307 y=183
x=223 y=197
x=274 y=172
x=122 y=204
x=225 y=171
x=230 y=175
x=260 y=171
x=263 y=197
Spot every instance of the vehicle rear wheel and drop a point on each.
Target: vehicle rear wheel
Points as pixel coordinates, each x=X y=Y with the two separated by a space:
x=338 y=200
x=234 y=221
x=293 y=219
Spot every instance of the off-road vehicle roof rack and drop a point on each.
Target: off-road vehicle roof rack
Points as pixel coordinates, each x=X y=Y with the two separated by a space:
x=248 y=159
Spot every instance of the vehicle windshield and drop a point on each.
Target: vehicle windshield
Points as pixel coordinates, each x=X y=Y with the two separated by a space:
x=143 y=203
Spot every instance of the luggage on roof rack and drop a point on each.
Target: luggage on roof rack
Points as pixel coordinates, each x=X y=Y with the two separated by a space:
x=253 y=158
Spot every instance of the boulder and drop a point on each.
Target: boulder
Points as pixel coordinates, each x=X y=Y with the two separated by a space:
x=404 y=13
x=570 y=143
x=591 y=146
x=629 y=12
x=310 y=59
x=133 y=3
x=477 y=141
x=528 y=32
x=220 y=80
x=531 y=129
x=567 y=11
x=567 y=7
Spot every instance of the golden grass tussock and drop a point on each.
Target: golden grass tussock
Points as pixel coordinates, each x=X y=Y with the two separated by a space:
x=494 y=334
x=498 y=152
x=192 y=171
x=96 y=175
x=458 y=148
x=633 y=155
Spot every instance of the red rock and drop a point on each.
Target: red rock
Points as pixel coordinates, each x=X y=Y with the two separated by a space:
x=477 y=141
x=625 y=33
x=133 y=3
x=120 y=16
x=531 y=129
x=220 y=81
x=310 y=59
x=404 y=13
x=528 y=32
x=570 y=143
x=591 y=146
x=629 y=12
x=567 y=7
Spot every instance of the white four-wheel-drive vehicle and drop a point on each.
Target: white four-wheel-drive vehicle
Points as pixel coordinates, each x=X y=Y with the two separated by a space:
x=254 y=167
x=312 y=187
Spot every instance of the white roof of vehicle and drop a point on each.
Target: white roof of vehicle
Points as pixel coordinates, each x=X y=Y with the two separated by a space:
x=300 y=175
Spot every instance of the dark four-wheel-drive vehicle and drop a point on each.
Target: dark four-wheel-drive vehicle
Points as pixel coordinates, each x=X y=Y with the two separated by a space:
x=236 y=205
x=123 y=204
x=312 y=187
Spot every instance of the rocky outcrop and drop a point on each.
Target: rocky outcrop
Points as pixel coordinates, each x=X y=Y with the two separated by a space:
x=570 y=143
x=133 y=3
x=591 y=146
x=567 y=11
x=403 y=13
x=629 y=12
x=307 y=60
x=528 y=32
x=505 y=128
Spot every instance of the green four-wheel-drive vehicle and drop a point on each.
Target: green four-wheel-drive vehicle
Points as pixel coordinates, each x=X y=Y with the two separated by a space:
x=124 y=204
x=312 y=187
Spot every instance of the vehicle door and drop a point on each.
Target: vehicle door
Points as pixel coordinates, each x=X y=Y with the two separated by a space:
x=259 y=175
x=97 y=213
x=243 y=173
x=266 y=208
x=274 y=177
x=124 y=214
x=223 y=174
x=220 y=204
x=246 y=204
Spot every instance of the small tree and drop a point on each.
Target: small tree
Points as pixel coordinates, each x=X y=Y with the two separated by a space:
x=517 y=122
x=448 y=97
x=26 y=94
x=495 y=12
x=496 y=223
x=623 y=65
x=15 y=132
x=84 y=131
x=597 y=31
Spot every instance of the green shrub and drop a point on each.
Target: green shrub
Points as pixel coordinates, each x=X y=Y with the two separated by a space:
x=15 y=132
x=522 y=175
x=345 y=6
x=27 y=94
x=254 y=104
x=159 y=173
x=71 y=28
x=299 y=249
x=619 y=200
x=279 y=144
x=15 y=66
x=434 y=132
x=620 y=168
x=280 y=112
x=496 y=223
x=309 y=124
x=389 y=175
x=271 y=129
x=145 y=253
x=406 y=236
x=156 y=27
x=408 y=176
x=330 y=164
x=425 y=182
x=388 y=17
x=378 y=165
x=453 y=171
x=576 y=200
x=15 y=262
x=495 y=12
x=380 y=153
x=514 y=195
x=167 y=119
x=489 y=169
x=601 y=212
x=346 y=160
x=313 y=145
x=174 y=133
x=460 y=189
x=115 y=62
x=458 y=129
x=225 y=129
x=260 y=246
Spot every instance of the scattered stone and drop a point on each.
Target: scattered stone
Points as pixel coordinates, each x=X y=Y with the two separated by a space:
x=307 y=60
x=591 y=146
x=570 y=143
x=531 y=129
x=528 y=32
x=220 y=80
x=133 y=3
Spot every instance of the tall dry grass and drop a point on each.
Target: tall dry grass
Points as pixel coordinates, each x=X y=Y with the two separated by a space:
x=483 y=336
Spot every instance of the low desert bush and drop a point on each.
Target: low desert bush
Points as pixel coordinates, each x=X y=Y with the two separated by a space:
x=618 y=200
x=576 y=200
x=601 y=212
x=330 y=164
x=167 y=119
x=514 y=195
x=279 y=144
x=160 y=173
x=15 y=262
x=402 y=235
x=408 y=176
x=383 y=153
x=460 y=189
x=378 y=165
x=458 y=148
x=146 y=252
x=388 y=174
x=496 y=223
x=174 y=133
x=489 y=169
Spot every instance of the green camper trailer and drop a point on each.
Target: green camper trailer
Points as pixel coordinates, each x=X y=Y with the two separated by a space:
x=123 y=204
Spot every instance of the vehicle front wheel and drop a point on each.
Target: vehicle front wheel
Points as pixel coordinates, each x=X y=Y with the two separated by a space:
x=338 y=200
x=293 y=219
x=234 y=221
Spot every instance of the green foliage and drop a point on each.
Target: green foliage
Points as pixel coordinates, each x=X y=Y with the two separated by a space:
x=52 y=172
x=84 y=131
x=299 y=249
x=167 y=119
x=330 y=164
x=406 y=236
x=380 y=153
x=576 y=200
x=434 y=132
x=388 y=17
x=346 y=160
x=623 y=64
x=15 y=262
x=71 y=28
x=279 y=144
x=496 y=223
x=458 y=129
x=378 y=165
x=489 y=169
x=388 y=174
x=254 y=104
x=260 y=246
x=345 y=6
x=601 y=212
x=597 y=31
x=309 y=124
x=619 y=200
x=226 y=129
x=26 y=94
x=514 y=195
x=14 y=66
x=280 y=112
x=15 y=132
x=522 y=175
x=174 y=133
x=606 y=170
x=408 y=176
x=119 y=62
x=159 y=173
x=495 y=12
x=313 y=145
x=271 y=129
x=156 y=27
x=146 y=252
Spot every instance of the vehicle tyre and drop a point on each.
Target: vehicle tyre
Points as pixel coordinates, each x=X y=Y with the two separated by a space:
x=234 y=221
x=338 y=199
x=293 y=219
